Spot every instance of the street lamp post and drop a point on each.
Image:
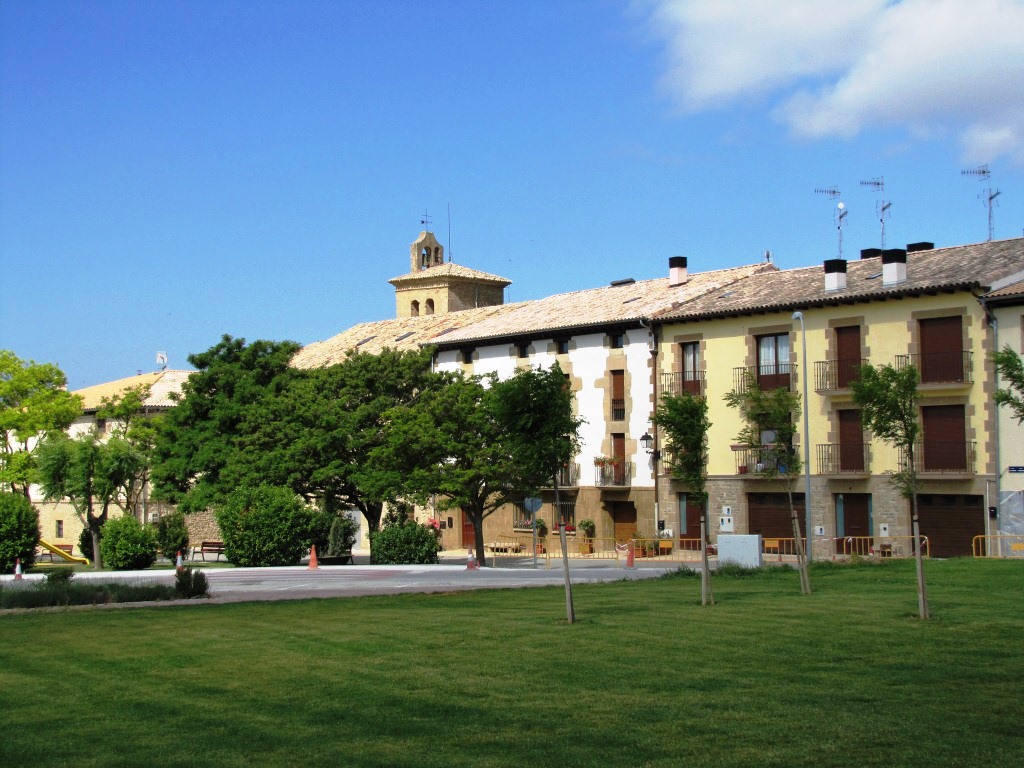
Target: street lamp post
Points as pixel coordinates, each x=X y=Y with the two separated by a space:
x=807 y=436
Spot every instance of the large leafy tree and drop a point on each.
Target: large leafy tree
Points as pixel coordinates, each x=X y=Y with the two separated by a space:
x=684 y=420
x=888 y=398
x=34 y=402
x=1011 y=370
x=316 y=433
x=125 y=412
x=92 y=474
x=200 y=437
x=479 y=443
x=769 y=428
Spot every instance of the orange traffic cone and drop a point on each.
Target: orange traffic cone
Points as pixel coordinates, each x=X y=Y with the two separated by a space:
x=177 y=563
x=17 y=568
x=312 y=558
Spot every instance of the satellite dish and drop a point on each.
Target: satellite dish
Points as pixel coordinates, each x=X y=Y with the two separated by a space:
x=161 y=359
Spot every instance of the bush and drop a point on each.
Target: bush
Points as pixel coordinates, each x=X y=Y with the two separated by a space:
x=189 y=582
x=85 y=543
x=127 y=545
x=265 y=526
x=320 y=530
x=172 y=535
x=19 y=531
x=343 y=536
x=405 y=543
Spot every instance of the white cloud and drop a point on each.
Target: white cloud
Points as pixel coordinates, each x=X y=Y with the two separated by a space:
x=836 y=69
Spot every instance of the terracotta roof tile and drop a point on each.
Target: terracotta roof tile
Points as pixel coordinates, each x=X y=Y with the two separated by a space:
x=161 y=384
x=449 y=270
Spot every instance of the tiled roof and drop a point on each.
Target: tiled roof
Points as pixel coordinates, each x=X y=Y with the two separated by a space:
x=962 y=267
x=161 y=384
x=400 y=334
x=449 y=271
x=622 y=303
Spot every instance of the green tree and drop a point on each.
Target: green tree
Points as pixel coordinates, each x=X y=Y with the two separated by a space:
x=202 y=434
x=126 y=414
x=34 y=402
x=93 y=475
x=684 y=420
x=479 y=443
x=1011 y=370
x=769 y=428
x=127 y=545
x=19 y=531
x=315 y=433
x=888 y=407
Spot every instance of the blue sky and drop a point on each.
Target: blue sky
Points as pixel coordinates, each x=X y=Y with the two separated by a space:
x=174 y=171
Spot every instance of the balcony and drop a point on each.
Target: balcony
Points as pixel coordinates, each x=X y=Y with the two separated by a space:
x=956 y=458
x=940 y=367
x=835 y=375
x=843 y=458
x=567 y=477
x=617 y=475
x=755 y=462
x=768 y=377
x=690 y=382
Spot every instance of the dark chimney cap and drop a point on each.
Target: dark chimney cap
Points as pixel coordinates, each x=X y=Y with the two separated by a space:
x=870 y=253
x=922 y=246
x=677 y=262
x=835 y=265
x=894 y=256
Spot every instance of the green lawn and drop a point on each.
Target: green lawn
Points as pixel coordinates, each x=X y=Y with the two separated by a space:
x=646 y=677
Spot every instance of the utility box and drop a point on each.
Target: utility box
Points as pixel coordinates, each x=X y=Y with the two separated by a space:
x=742 y=549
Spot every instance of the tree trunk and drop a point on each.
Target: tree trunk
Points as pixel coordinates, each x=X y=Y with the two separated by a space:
x=801 y=555
x=477 y=518
x=705 y=574
x=570 y=612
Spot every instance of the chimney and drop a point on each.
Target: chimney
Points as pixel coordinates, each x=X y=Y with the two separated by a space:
x=894 y=266
x=835 y=274
x=677 y=270
x=922 y=246
x=870 y=253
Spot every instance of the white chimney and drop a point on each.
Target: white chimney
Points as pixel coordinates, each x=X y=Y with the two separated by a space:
x=835 y=274
x=677 y=270
x=894 y=266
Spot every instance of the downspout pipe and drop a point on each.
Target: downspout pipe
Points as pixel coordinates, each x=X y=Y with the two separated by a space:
x=645 y=322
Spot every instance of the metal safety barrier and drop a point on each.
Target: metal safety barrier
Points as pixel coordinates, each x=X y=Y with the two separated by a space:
x=998 y=545
x=842 y=547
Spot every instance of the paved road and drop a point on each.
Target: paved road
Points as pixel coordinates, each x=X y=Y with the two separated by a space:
x=242 y=584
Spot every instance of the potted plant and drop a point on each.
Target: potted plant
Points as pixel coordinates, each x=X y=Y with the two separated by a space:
x=665 y=542
x=642 y=545
x=541 y=528
x=589 y=529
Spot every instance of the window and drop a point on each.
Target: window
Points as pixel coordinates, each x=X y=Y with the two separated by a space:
x=467 y=356
x=562 y=346
x=566 y=513
x=773 y=367
x=618 y=395
x=691 y=378
x=618 y=340
x=429 y=308
x=521 y=517
x=101 y=426
x=414 y=309
x=523 y=350
x=59 y=532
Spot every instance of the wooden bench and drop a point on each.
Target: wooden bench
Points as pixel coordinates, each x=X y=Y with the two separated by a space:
x=44 y=552
x=208 y=548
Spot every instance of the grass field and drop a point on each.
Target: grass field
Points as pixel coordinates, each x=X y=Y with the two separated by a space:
x=646 y=677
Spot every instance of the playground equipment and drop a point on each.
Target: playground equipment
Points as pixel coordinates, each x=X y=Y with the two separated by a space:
x=63 y=553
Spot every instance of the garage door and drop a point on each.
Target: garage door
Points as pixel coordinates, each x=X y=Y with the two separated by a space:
x=769 y=515
x=951 y=522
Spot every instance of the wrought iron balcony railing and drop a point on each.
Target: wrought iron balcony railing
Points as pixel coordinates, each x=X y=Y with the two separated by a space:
x=568 y=477
x=768 y=377
x=758 y=461
x=843 y=458
x=618 y=474
x=943 y=457
x=691 y=382
x=940 y=367
x=832 y=375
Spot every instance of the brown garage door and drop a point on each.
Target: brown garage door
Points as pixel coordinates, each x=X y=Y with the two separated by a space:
x=769 y=514
x=951 y=522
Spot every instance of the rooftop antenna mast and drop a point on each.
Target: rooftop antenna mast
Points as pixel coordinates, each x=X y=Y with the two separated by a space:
x=982 y=174
x=449 y=232
x=883 y=205
x=840 y=214
x=161 y=360
x=425 y=221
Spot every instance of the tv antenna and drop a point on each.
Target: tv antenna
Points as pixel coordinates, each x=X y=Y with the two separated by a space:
x=832 y=193
x=988 y=196
x=161 y=360
x=425 y=221
x=882 y=206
